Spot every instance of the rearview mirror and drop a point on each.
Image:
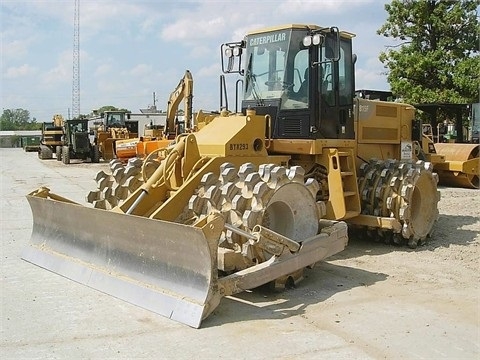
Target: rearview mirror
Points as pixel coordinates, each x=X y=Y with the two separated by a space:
x=332 y=44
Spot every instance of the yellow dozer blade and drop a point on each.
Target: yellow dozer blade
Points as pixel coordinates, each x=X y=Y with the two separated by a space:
x=166 y=267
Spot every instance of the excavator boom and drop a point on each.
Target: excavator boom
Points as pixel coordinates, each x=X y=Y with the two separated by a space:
x=184 y=90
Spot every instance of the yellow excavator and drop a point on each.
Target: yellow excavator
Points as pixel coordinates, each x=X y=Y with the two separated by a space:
x=255 y=196
x=156 y=137
x=183 y=92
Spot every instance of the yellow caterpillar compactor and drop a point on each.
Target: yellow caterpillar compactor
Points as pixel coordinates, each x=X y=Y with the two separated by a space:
x=254 y=196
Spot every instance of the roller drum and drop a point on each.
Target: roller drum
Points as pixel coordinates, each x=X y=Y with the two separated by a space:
x=458 y=153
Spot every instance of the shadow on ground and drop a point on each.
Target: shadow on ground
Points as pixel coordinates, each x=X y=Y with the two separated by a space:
x=448 y=230
x=320 y=283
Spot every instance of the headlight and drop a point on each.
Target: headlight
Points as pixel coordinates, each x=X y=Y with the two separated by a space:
x=228 y=52
x=307 y=41
x=237 y=51
x=317 y=39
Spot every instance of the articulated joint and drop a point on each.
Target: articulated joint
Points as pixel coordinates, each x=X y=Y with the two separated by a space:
x=273 y=242
x=265 y=239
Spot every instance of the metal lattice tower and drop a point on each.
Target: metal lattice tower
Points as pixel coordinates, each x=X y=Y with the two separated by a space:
x=76 y=61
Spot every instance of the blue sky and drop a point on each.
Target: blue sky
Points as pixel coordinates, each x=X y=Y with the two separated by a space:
x=130 y=49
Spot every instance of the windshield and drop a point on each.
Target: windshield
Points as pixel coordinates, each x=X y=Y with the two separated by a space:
x=115 y=120
x=78 y=126
x=276 y=68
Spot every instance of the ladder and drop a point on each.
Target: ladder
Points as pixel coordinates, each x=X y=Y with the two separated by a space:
x=344 y=199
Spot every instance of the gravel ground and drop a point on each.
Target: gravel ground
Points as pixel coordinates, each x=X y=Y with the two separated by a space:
x=372 y=301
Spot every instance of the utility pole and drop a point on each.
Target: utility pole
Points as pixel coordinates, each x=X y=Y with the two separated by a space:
x=76 y=61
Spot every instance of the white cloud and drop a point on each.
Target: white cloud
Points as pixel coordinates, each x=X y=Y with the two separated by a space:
x=189 y=29
x=141 y=70
x=208 y=71
x=61 y=73
x=147 y=24
x=299 y=6
x=17 y=99
x=366 y=78
x=201 y=51
x=19 y=71
x=103 y=69
x=15 y=48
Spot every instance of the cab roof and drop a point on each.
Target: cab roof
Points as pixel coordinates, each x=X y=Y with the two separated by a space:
x=343 y=34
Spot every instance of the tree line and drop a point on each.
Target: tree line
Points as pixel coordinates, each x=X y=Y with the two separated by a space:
x=18 y=119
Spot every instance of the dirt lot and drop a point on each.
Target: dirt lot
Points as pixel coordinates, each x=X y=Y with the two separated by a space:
x=371 y=301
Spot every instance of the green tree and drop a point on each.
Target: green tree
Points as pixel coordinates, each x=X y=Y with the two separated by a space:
x=437 y=59
x=18 y=119
x=109 y=108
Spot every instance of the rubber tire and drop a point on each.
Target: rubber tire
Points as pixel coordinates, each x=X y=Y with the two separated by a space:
x=95 y=154
x=45 y=153
x=66 y=155
x=58 y=152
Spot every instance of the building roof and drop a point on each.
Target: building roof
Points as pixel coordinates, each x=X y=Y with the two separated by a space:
x=21 y=133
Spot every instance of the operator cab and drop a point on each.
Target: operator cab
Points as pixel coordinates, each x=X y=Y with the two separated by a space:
x=115 y=119
x=76 y=134
x=302 y=76
x=77 y=126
